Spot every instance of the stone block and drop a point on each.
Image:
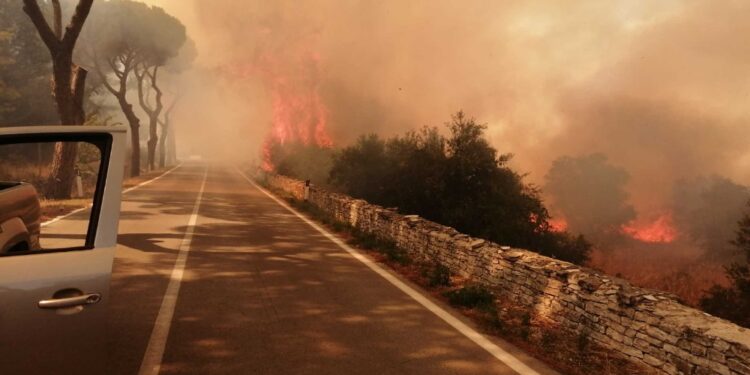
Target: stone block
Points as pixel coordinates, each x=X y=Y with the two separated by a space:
x=660 y=335
x=652 y=361
x=739 y=367
x=682 y=365
x=716 y=356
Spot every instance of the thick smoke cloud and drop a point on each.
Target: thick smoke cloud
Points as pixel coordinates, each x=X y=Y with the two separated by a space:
x=660 y=88
x=708 y=210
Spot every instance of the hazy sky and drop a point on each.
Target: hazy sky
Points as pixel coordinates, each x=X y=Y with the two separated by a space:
x=661 y=87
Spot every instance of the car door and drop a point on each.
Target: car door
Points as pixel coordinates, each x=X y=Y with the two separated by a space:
x=54 y=281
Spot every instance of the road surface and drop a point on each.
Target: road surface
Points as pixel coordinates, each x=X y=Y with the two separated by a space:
x=263 y=292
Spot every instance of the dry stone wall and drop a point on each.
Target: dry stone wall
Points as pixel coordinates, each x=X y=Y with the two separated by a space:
x=646 y=327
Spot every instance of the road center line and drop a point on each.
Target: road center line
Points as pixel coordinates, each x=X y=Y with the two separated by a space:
x=151 y=363
x=479 y=339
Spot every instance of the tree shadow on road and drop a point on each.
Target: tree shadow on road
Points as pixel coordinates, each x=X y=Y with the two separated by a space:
x=264 y=293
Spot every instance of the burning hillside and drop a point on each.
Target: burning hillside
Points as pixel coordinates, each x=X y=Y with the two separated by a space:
x=660 y=230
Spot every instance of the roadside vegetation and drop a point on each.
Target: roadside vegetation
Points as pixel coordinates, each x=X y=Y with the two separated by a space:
x=140 y=48
x=127 y=48
x=461 y=181
x=733 y=302
x=458 y=180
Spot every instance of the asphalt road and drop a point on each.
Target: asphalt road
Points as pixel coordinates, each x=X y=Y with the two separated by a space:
x=263 y=292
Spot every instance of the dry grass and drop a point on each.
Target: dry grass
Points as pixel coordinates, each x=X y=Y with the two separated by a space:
x=678 y=268
x=30 y=173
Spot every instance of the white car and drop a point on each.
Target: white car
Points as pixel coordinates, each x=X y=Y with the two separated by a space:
x=54 y=286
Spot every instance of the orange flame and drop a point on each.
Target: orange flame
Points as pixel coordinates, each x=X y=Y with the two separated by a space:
x=661 y=230
x=557 y=224
x=298 y=112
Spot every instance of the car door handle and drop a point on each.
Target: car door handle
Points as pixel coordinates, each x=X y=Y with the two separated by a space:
x=59 y=303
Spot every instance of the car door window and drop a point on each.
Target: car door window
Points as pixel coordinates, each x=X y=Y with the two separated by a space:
x=48 y=195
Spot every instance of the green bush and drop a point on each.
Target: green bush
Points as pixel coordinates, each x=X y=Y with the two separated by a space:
x=438 y=275
x=459 y=181
x=472 y=296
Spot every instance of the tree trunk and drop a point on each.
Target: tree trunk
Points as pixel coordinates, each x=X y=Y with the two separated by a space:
x=163 y=145
x=141 y=72
x=153 y=139
x=121 y=93
x=135 y=136
x=171 y=147
x=69 y=102
x=60 y=182
x=68 y=86
x=167 y=137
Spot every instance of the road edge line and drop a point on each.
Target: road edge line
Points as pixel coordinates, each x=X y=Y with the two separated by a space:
x=500 y=354
x=144 y=183
x=152 y=357
x=77 y=210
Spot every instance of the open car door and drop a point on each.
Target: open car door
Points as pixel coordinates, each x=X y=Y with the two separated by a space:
x=58 y=233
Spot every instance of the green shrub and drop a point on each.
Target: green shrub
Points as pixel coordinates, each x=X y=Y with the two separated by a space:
x=472 y=296
x=438 y=275
x=458 y=180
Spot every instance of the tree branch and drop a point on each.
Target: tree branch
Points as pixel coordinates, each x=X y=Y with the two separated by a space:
x=103 y=78
x=140 y=75
x=113 y=66
x=76 y=22
x=159 y=93
x=169 y=110
x=79 y=90
x=31 y=8
x=57 y=19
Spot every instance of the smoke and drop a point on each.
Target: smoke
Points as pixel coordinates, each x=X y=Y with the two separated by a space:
x=660 y=88
x=672 y=106
x=708 y=210
x=589 y=194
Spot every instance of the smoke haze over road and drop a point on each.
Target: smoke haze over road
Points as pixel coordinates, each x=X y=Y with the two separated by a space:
x=659 y=87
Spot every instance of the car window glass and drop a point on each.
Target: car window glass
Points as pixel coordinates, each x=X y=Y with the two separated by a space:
x=46 y=193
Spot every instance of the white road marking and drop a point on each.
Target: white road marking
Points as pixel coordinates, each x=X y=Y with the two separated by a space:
x=51 y=221
x=144 y=183
x=496 y=351
x=151 y=363
x=71 y=213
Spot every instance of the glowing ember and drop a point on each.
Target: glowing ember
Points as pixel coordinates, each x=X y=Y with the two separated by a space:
x=557 y=224
x=661 y=230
